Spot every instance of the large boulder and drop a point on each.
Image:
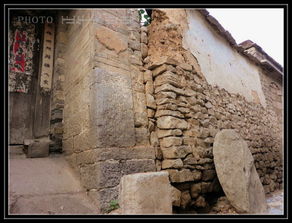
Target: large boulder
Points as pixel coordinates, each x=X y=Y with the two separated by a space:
x=237 y=173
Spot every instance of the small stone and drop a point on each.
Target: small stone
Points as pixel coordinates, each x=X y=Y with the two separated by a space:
x=159 y=70
x=150 y=113
x=160 y=113
x=176 y=152
x=153 y=139
x=186 y=66
x=148 y=76
x=176 y=196
x=150 y=101
x=149 y=88
x=196 y=190
x=144 y=38
x=180 y=176
x=197 y=175
x=170 y=141
x=185 y=199
x=172 y=163
x=170 y=132
x=208 y=105
x=169 y=122
x=206 y=187
x=144 y=50
x=208 y=175
x=200 y=202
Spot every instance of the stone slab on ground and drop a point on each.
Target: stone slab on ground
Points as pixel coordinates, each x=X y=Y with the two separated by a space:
x=46 y=186
x=75 y=203
x=237 y=173
x=146 y=193
x=37 y=148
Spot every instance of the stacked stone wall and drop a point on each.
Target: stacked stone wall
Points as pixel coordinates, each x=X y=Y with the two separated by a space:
x=186 y=112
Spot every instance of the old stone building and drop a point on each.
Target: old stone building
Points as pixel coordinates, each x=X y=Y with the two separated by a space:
x=118 y=98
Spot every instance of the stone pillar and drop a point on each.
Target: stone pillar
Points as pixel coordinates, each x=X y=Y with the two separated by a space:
x=102 y=139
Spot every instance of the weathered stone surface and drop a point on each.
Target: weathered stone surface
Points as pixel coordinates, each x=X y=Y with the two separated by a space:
x=169 y=122
x=176 y=196
x=154 y=139
x=149 y=89
x=197 y=175
x=200 y=202
x=171 y=132
x=150 y=101
x=111 y=103
x=186 y=66
x=102 y=154
x=170 y=141
x=196 y=190
x=144 y=38
x=139 y=193
x=165 y=94
x=167 y=78
x=160 y=113
x=148 y=76
x=208 y=175
x=142 y=136
x=185 y=199
x=159 y=70
x=237 y=174
x=172 y=163
x=38 y=148
x=169 y=87
x=180 y=176
x=111 y=39
x=176 y=152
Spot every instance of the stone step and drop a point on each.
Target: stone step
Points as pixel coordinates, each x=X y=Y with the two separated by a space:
x=37 y=148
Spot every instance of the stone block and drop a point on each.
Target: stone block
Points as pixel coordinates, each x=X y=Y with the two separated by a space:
x=169 y=122
x=37 y=148
x=176 y=152
x=181 y=176
x=144 y=50
x=142 y=136
x=185 y=199
x=150 y=101
x=138 y=166
x=196 y=190
x=160 y=113
x=170 y=141
x=170 y=132
x=139 y=193
x=111 y=103
x=172 y=163
x=176 y=196
x=111 y=39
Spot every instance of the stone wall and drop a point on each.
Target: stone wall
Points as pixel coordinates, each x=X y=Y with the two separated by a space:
x=57 y=96
x=186 y=112
x=131 y=99
x=105 y=120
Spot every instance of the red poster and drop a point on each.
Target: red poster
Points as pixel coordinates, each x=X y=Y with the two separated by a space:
x=19 y=50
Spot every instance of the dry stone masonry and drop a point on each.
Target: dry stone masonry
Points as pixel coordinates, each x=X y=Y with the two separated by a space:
x=187 y=113
x=127 y=100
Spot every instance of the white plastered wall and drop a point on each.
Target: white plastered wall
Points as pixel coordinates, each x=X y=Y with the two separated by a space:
x=219 y=62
